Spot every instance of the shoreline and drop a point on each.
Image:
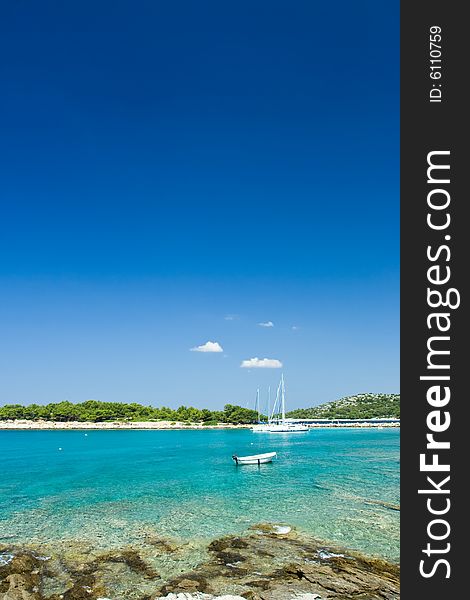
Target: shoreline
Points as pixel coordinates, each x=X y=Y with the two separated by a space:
x=112 y=425
x=22 y=424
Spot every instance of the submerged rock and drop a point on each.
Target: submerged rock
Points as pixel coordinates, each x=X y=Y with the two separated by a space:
x=161 y=544
x=263 y=565
x=132 y=559
x=269 y=566
x=383 y=504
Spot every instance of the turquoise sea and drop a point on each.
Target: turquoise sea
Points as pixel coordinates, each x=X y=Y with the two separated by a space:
x=113 y=487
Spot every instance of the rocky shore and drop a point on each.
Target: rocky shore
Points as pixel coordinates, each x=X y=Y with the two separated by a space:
x=269 y=563
x=20 y=424
x=24 y=424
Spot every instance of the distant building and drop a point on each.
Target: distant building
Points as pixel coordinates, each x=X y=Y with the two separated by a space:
x=330 y=422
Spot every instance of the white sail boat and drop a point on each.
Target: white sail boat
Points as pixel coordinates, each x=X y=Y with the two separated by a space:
x=279 y=424
x=282 y=425
x=261 y=427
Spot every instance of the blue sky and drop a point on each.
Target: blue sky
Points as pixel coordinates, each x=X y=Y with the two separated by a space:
x=165 y=165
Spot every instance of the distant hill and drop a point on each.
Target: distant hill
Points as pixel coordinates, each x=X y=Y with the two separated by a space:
x=360 y=406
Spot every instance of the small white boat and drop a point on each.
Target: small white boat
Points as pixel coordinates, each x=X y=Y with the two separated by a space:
x=255 y=459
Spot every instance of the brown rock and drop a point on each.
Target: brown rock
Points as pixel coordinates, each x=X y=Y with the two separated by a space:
x=186 y=583
x=133 y=560
x=20 y=588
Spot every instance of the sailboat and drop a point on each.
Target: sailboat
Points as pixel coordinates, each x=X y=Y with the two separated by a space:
x=279 y=424
x=260 y=427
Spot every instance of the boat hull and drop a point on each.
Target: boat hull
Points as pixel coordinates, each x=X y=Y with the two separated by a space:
x=256 y=459
x=260 y=428
x=288 y=429
x=280 y=428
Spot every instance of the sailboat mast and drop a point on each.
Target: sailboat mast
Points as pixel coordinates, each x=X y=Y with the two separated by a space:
x=269 y=401
x=283 y=396
x=276 y=405
x=273 y=410
x=257 y=403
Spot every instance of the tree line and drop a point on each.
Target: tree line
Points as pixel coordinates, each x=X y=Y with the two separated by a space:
x=361 y=406
x=97 y=411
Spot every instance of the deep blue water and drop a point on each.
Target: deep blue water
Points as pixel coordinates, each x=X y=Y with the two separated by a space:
x=114 y=486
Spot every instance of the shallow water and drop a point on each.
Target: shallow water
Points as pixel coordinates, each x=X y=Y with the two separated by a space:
x=113 y=488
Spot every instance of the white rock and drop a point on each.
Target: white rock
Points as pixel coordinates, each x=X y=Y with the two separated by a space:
x=196 y=596
x=325 y=555
x=5 y=559
x=282 y=529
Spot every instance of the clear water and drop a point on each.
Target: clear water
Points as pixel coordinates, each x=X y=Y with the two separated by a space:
x=114 y=487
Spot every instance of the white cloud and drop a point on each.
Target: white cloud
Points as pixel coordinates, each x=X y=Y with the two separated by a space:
x=261 y=363
x=266 y=324
x=231 y=317
x=208 y=347
x=295 y=328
